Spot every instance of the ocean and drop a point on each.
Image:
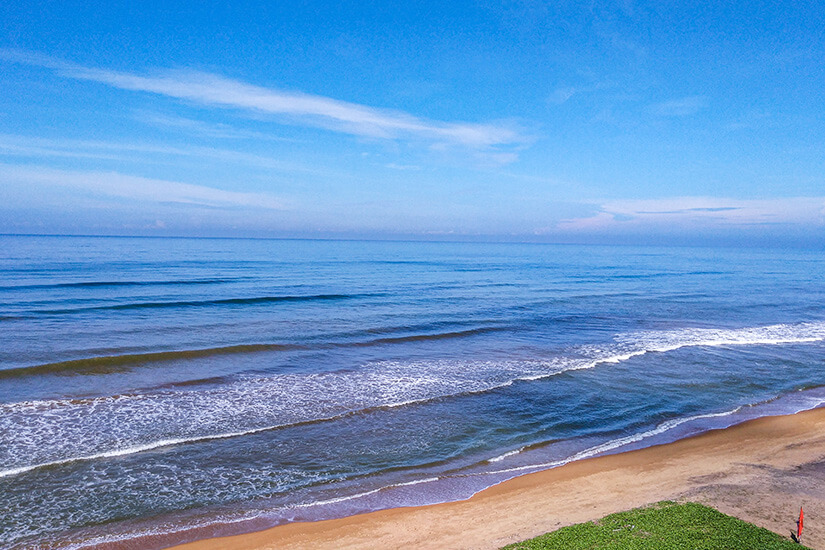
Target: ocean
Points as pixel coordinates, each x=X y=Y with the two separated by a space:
x=159 y=390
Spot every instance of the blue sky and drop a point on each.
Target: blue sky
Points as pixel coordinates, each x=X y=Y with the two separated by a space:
x=665 y=122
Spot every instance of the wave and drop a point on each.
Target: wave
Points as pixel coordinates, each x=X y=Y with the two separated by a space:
x=116 y=284
x=254 y=300
x=430 y=337
x=419 y=327
x=501 y=457
x=640 y=343
x=118 y=363
x=115 y=363
x=40 y=433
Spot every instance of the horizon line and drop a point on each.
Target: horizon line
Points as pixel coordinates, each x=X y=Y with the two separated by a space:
x=469 y=240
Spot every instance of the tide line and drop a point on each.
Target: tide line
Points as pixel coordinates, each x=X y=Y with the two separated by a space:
x=609 y=445
x=336 y=500
x=127 y=451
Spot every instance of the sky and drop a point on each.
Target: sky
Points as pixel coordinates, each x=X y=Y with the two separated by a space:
x=677 y=122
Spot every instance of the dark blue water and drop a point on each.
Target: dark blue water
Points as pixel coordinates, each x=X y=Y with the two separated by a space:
x=158 y=390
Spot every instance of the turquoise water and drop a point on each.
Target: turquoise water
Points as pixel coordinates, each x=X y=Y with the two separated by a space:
x=154 y=391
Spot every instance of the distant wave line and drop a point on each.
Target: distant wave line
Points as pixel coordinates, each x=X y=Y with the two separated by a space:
x=427 y=337
x=200 y=303
x=108 y=284
x=109 y=363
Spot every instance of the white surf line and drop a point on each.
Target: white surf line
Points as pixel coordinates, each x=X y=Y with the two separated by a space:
x=336 y=500
x=501 y=457
x=710 y=343
x=130 y=450
x=615 y=359
x=414 y=482
x=615 y=444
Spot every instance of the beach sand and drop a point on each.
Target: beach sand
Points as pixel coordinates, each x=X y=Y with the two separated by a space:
x=761 y=471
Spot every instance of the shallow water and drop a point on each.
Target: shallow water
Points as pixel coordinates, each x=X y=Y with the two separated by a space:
x=176 y=388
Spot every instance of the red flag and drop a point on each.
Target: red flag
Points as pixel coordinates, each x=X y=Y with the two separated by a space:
x=799 y=523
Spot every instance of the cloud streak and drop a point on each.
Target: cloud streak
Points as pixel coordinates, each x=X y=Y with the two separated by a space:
x=699 y=212
x=136 y=188
x=218 y=91
x=27 y=146
x=686 y=106
x=204 y=129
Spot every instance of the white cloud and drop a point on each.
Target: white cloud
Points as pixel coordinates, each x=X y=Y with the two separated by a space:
x=561 y=95
x=352 y=118
x=114 y=184
x=699 y=212
x=203 y=129
x=685 y=106
x=403 y=167
x=27 y=146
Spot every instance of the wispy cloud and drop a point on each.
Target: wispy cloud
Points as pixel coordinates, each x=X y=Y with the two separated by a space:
x=27 y=146
x=751 y=120
x=694 y=209
x=114 y=184
x=562 y=94
x=200 y=128
x=403 y=167
x=699 y=212
x=685 y=106
x=299 y=108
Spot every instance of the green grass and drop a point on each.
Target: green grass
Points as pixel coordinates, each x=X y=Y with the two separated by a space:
x=663 y=526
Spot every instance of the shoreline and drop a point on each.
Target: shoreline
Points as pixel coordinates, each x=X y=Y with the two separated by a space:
x=761 y=471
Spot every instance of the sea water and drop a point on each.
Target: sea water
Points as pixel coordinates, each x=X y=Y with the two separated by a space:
x=155 y=391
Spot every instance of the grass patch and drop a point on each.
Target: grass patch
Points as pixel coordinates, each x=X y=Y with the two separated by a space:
x=663 y=526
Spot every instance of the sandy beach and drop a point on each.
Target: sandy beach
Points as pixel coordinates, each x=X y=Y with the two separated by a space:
x=761 y=471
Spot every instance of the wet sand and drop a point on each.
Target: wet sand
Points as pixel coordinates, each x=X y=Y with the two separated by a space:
x=761 y=471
